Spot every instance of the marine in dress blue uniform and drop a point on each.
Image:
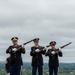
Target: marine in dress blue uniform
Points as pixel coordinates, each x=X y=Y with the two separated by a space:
x=53 y=58
x=15 y=52
x=37 y=59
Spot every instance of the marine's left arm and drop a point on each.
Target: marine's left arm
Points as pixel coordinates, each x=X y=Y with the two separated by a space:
x=23 y=50
x=43 y=51
x=60 y=53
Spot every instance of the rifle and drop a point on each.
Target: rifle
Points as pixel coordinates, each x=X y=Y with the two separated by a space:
x=23 y=44
x=28 y=42
x=65 y=45
x=41 y=48
x=60 y=47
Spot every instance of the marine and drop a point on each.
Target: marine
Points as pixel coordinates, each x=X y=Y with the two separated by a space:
x=53 y=55
x=37 y=60
x=15 y=52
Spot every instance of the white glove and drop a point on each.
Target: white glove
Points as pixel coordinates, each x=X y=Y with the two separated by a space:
x=59 y=48
x=53 y=52
x=8 y=73
x=14 y=49
x=22 y=45
x=37 y=50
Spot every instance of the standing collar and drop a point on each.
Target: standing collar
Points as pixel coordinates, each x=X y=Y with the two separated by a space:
x=15 y=45
x=37 y=46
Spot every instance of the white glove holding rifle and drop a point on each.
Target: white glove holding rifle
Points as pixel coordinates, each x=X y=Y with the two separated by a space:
x=53 y=52
x=22 y=45
x=57 y=51
x=14 y=49
x=37 y=50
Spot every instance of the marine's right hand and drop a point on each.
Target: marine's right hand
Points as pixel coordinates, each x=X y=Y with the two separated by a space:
x=14 y=49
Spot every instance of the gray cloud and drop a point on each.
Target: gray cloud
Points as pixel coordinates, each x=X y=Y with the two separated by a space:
x=46 y=19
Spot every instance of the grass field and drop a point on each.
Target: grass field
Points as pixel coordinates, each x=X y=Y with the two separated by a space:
x=64 y=69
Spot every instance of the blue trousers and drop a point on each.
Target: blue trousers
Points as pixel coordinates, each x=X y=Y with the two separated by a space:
x=53 y=69
x=39 y=68
x=15 y=70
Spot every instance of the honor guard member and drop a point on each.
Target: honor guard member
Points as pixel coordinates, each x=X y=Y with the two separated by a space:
x=53 y=54
x=7 y=65
x=37 y=60
x=15 y=52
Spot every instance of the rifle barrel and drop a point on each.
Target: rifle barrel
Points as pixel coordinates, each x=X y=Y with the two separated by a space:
x=65 y=45
x=27 y=42
x=61 y=46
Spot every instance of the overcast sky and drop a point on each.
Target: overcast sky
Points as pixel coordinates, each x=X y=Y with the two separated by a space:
x=47 y=19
